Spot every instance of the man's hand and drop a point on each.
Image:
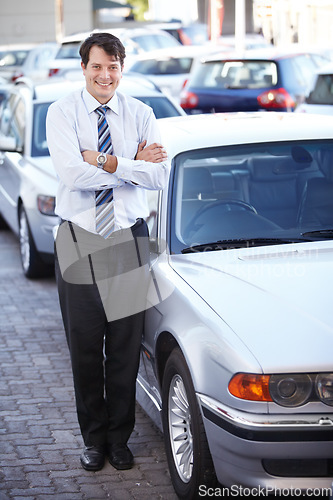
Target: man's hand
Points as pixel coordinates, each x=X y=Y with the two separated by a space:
x=155 y=153
x=91 y=157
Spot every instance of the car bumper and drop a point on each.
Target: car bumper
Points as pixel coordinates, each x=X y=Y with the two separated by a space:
x=269 y=451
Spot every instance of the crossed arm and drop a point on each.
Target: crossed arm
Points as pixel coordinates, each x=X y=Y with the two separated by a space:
x=154 y=153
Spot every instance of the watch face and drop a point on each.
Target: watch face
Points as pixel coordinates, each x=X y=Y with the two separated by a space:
x=101 y=158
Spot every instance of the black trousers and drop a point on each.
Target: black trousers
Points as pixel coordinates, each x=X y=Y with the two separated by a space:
x=102 y=286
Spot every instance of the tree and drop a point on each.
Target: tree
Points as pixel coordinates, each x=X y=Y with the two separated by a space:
x=140 y=8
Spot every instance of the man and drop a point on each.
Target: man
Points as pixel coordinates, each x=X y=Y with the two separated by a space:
x=106 y=151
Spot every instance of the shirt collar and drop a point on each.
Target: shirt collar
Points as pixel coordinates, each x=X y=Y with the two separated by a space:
x=92 y=103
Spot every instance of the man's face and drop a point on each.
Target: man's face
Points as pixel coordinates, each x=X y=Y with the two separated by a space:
x=102 y=73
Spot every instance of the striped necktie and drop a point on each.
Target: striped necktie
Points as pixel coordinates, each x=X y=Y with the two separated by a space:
x=104 y=198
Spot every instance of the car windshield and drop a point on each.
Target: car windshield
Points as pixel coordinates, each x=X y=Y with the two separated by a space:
x=13 y=57
x=166 y=66
x=323 y=91
x=252 y=195
x=69 y=51
x=235 y=74
x=39 y=143
x=161 y=106
x=154 y=41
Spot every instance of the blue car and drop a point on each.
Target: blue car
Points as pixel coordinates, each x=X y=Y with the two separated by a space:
x=262 y=80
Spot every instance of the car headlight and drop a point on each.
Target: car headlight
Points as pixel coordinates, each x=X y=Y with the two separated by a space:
x=290 y=389
x=46 y=204
x=324 y=387
x=286 y=389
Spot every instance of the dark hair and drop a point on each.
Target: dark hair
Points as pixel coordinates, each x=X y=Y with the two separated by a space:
x=109 y=43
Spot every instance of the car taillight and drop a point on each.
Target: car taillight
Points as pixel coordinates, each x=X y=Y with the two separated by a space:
x=188 y=100
x=53 y=71
x=276 y=99
x=16 y=76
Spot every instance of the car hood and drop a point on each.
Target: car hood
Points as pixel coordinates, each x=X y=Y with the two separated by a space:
x=276 y=299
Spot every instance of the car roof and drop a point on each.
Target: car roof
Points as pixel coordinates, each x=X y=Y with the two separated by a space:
x=267 y=53
x=178 y=52
x=119 y=32
x=223 y=129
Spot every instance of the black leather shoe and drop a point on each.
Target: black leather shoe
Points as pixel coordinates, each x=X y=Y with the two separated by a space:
x=93 y=458
x=120 y=456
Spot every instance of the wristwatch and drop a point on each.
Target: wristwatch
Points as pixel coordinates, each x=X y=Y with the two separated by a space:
x=101 y=160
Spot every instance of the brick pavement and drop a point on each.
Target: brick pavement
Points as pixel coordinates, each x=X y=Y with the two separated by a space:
x=40 y=442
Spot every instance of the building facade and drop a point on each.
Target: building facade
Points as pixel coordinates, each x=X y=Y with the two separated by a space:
x=282 y=21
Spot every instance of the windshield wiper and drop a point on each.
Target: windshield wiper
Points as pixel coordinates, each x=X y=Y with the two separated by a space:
x=240 y=243
x=319 y=234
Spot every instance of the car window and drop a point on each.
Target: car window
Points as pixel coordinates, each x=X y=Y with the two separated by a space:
x=69 y=51
x=168 y=66
x=280 y=191
x=39 y=143
x=13 y=58
x=323 y=91
x=155 y=41
x=19 y=120
x=161 y=106
x=235 y=74
x=13 y=118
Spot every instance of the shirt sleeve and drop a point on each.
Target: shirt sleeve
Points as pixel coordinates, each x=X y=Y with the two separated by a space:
x=65 y=150
x=142 y=173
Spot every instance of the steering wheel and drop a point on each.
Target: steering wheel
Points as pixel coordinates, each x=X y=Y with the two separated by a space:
x=239 y=203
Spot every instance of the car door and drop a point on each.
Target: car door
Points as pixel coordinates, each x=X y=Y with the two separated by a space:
x=13 y=120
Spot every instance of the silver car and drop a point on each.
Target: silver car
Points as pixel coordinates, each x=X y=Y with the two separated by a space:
x=28 y=60
x=236 y=365
x=28 y=182
x=320 y=98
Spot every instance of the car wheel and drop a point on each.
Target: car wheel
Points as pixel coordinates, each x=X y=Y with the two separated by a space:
x=3 y=224
x=186 y=446
x=31 y=262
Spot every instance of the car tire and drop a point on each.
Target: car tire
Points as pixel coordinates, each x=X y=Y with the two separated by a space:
x=32 y=264
x=188 y=455
x=3 y=224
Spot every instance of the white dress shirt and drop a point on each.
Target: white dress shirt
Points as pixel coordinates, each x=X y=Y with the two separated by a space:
x=71 y=128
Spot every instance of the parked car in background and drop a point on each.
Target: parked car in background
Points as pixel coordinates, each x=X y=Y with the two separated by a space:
x=320 y=98
x=262 y=79
x=236 y=364
x=135 y=40
x=186 y=34
x=251 y=41
x=170 y=68
x=28 y=60
x=28 y=182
